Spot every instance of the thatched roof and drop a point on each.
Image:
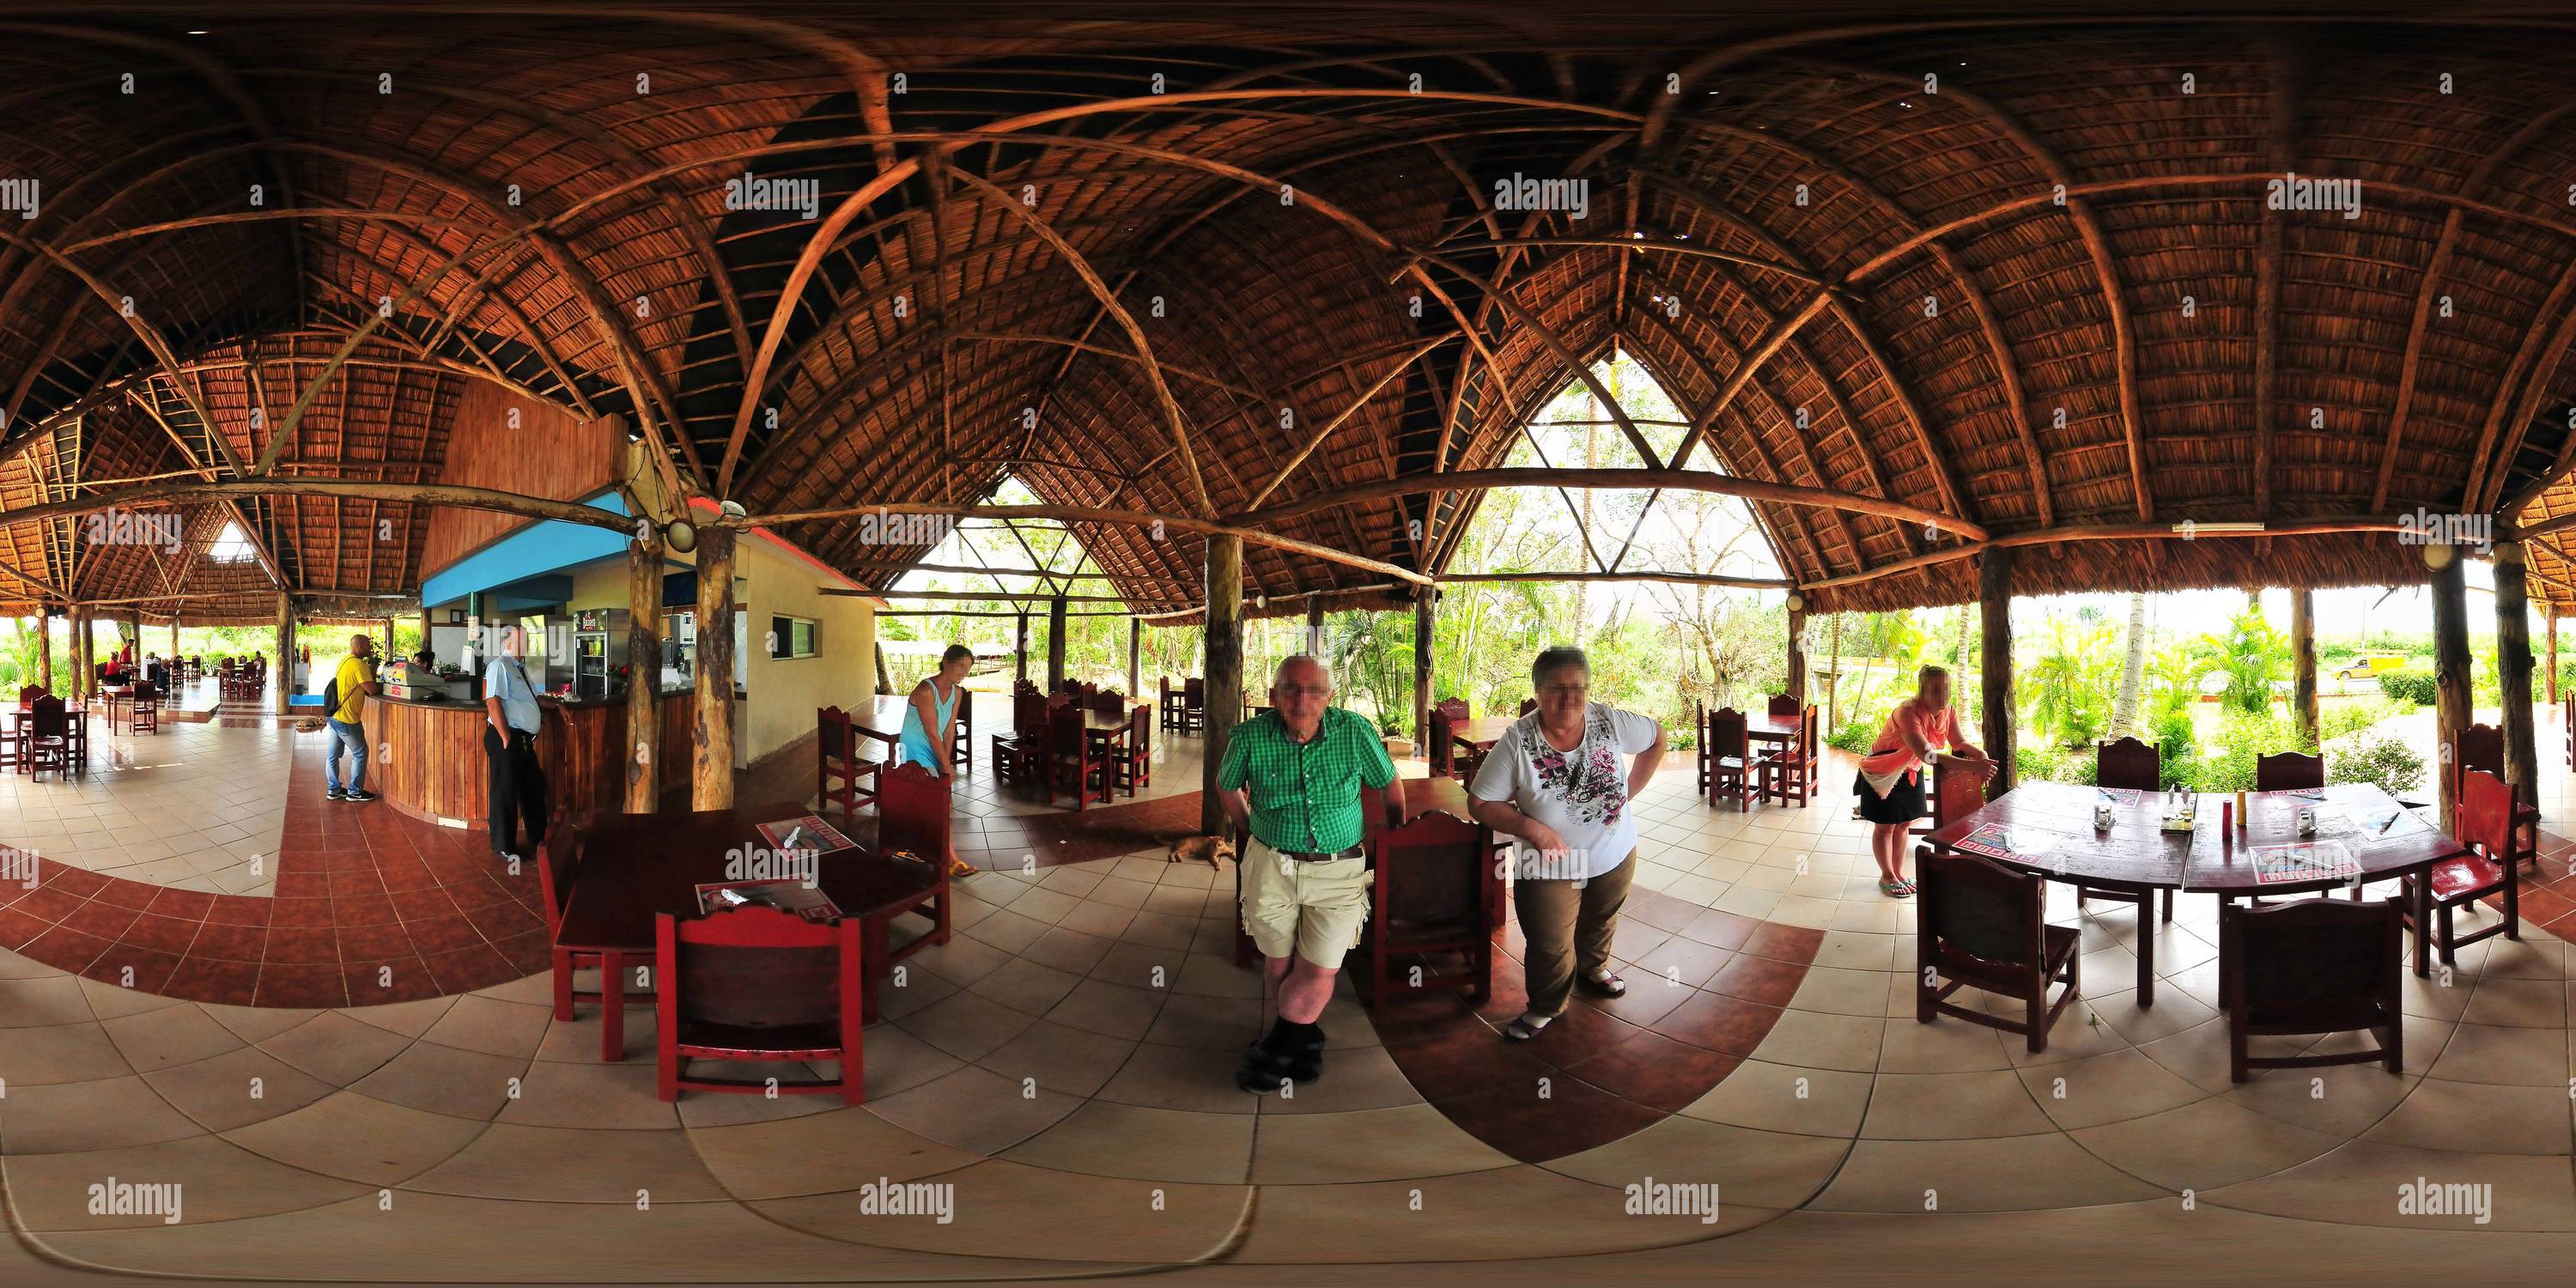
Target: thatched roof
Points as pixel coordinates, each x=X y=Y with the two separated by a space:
x=1879 y=291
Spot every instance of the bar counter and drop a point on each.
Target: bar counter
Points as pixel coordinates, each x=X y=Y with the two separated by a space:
x=432 y=767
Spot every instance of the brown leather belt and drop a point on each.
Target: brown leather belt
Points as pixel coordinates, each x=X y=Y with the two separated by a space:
x=1351 y=853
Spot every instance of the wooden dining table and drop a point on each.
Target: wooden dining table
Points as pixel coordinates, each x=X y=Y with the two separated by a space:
x=14 y=725
x=2052 y=833
x=637 y=866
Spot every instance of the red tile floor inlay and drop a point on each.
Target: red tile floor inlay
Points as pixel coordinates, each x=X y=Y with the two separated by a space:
x=371 y=907
x=1704 y=989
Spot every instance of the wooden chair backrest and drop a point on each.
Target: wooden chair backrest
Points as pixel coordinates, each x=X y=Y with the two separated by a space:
x=1956 y=794
x=28 y=693
x=832 y=738
x=1455 y=709
x=2485 y=814
x=2481 y=747
x=2310 y=955
x=1440 y=751
x=757 y=967
x=46 y=718
x=1975 y=907
x=1726 y=734
x=1110 y=703
x=1028 y=714
x=1528 y=705
x=2287 y=770
x=912 y=813
x=1064 y=730
x=2128 y=763
x=1194 y=691
x=1140 y=731
x=559 y=865
x=1783 y=704
x=1433 y=869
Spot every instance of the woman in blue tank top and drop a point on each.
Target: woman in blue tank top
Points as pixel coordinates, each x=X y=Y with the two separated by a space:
x=930 y=719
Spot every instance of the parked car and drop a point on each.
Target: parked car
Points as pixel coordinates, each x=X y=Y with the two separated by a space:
x=2369 y=665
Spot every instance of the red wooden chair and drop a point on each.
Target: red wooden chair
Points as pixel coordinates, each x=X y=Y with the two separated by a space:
x=1699 y=735
x=1168 y=703
x=1982 y=925
x=1528 y=705
x=1194 y=705
x=1956 y=794
x=1135 y=767
x=143 y=710
x=1792 y=768
x=558 y=868
x=1456 y=709
x=2481 y=749
x=27 y=695
x=1733 y=772
x=2486 y=824
x=1442 y=752
x=2306 y=967
x=758 y=984
x=1434 y=892
x=2289 y=771
x=1070 y=765
x=913 y=821
x=841 y=777
x=2126 y=763
x=47 y=743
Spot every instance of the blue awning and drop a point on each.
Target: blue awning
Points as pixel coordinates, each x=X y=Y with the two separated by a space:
x=531 y=552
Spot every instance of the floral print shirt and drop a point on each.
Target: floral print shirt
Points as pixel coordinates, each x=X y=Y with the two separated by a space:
x=1582 y=794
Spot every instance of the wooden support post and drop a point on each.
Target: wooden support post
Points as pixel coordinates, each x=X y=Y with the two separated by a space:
x=45 y=646
x=644 y=751
x=1135 y=650
x=2551 y=621
x=1315 y=628
x=2303 y=663
x=885 y=681
x=424 y=633
x=78 y=651
x=1797 y=648
x=2513 y=670
x=711 y=776
x=174 y=634
x=1994 y=591
x=1425 y=618
x=134 y=634
x=285 y=652
x=1223 y=668
x=1055 y=643
x=2450 y=670
x=1020 y=648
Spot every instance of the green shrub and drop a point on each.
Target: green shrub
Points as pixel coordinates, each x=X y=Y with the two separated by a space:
x=2355 y=715
x=1855 y=736
x=2410 y=686
x=2177 y=744
x=2040 y=763
x=2385 y=760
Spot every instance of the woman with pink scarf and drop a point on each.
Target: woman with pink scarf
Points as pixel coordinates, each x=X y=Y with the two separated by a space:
x=1890 y=783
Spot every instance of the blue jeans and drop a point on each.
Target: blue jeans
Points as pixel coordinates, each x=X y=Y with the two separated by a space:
x=355 y=736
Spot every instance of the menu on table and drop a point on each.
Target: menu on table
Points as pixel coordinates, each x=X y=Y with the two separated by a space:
x=2303 y=861
x=2298 y=793
x=788 y=895
x=2124 y=797
x=807 y=833
x=2000 y=841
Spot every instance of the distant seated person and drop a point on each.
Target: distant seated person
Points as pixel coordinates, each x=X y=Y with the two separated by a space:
x=156 y=673
x=111 y=671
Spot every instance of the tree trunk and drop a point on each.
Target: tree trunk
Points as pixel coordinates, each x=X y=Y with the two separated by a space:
x=1223 y=669
x=1425 y=618
x=1996 y=679
x=711 y=772
x=1055 y=643
x=45 y=646
x=2303 y=665
x=2513 y=670
x=1834 y=677
x=2450 y=673
x=643 y=672
x=885 y=681
x=285 y=651
x=2124 y=716
x=1798 y=654
x=1135 y=654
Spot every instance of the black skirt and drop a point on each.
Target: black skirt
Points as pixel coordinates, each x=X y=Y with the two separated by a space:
x=1903 y=802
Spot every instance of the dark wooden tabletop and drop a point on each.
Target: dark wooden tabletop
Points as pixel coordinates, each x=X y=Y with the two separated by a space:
x=2137 y=853
x=1483 y=731
x=638 y=865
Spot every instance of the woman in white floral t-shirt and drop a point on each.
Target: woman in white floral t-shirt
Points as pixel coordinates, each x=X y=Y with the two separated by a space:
x=1554 y=781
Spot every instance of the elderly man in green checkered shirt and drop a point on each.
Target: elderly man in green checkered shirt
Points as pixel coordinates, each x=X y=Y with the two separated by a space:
x=1293 y=775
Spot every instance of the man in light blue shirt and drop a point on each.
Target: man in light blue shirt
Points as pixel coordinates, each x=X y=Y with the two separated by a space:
x=511 y=721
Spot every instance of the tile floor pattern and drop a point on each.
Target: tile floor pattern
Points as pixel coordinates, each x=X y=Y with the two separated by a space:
x=1062 y=1064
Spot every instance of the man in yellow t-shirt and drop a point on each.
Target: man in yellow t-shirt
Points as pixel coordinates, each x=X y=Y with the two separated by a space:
x=355 y=681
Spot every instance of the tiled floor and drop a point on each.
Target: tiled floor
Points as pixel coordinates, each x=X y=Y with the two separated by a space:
x=1063 y=1066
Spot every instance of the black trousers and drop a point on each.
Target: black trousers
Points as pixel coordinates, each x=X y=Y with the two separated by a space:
x=518 y=790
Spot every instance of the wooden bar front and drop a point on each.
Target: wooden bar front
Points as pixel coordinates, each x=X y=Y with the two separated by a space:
x=433 y=768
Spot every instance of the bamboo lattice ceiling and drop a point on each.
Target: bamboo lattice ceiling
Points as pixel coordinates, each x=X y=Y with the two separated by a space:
x=2046 y=292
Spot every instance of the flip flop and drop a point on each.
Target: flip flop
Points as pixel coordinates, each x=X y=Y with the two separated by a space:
x=1611 y=986
x=1894 y=889
x=1519 y=1031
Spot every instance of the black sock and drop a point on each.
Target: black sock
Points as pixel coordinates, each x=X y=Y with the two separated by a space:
x=1303 y=1035
x=1281 y=1036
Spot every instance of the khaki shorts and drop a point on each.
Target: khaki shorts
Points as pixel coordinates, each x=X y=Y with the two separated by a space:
x=1317 y=908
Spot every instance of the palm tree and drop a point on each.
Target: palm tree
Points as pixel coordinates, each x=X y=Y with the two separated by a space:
x=2066 y=682
x=2124 y=717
